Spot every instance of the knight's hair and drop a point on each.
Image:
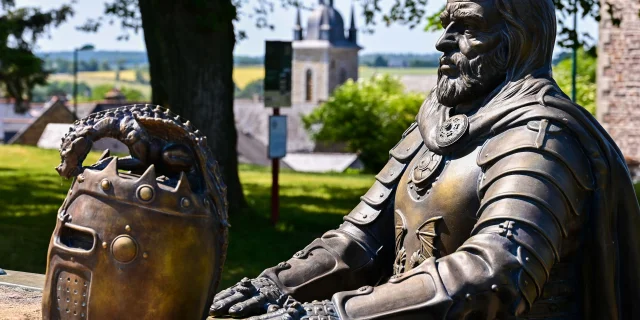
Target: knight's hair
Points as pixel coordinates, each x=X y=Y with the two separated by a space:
x=530 y=34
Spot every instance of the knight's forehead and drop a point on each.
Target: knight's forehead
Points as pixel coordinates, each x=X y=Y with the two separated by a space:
x=468 y=3
x=480 y=8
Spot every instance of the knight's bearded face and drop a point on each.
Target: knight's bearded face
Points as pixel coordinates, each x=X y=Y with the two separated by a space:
x=474 y=55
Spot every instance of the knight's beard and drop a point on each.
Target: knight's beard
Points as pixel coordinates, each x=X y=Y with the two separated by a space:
x=476 y=77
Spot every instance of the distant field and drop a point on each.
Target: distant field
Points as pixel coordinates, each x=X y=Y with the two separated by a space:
x=367 y=72
x=245 y=74
x=105 y=77
x=242 y=76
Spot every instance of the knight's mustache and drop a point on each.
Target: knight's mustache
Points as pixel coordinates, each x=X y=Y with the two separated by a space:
x=456 y=58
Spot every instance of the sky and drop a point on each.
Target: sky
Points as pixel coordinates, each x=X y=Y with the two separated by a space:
x=392 y=39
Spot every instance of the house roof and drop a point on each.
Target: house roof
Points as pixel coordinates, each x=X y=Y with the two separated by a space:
x=49 y=107
x=320 y=162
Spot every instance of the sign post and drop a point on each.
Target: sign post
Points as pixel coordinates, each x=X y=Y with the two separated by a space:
x=277 y=93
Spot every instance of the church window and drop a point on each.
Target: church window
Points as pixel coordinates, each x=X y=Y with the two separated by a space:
x=309 y=85
x=343 y=75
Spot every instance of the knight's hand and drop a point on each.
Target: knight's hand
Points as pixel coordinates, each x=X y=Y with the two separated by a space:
x=248 y=297
x=294 y=310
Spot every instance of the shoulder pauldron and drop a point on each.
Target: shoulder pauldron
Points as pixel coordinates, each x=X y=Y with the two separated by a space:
x=378 y=196
x=551 y=141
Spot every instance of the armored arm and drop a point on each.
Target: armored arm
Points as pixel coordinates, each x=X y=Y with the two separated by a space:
x=360 y=252
x=533 y=191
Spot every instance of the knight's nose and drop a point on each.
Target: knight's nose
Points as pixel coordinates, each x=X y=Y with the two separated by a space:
x=447 y=41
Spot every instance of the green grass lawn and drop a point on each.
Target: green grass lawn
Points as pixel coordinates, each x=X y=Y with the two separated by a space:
x=31 y=193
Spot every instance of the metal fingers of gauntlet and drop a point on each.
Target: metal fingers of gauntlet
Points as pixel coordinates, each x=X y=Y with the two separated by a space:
x=247 y=297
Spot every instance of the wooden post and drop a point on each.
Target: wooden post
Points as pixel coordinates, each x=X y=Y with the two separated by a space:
x=275 y=187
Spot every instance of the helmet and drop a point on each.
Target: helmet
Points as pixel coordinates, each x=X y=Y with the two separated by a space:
x=135 y=246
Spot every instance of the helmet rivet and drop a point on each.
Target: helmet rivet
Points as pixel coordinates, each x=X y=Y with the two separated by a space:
x=145 y=193
x=124 y=248
x=104 y=245
x=105 y=184
x=127 y=228
x=185 y=203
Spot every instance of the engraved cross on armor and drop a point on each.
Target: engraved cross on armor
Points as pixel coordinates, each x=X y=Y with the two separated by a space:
x=507 y=229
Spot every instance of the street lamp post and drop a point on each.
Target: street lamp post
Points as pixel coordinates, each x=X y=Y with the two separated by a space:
x=86 y=47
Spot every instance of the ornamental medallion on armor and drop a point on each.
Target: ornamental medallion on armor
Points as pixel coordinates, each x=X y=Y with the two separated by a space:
x=452 y=130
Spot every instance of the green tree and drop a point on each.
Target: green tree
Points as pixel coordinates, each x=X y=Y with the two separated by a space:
x=380 y=61
x=252 y=88
x=369 y=116
x=20 y=69
x=585 y=81
x=98 y=93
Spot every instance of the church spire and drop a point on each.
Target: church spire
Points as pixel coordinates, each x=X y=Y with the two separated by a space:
x=353 y=32
x=297 y=29
x=325 y=25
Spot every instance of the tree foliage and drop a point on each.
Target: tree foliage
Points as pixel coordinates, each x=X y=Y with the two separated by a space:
x=369 y=116
x=20 y=68
x=585 y=80
x=414 y=13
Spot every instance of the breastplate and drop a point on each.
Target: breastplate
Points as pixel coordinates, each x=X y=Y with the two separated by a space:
x=435 y=206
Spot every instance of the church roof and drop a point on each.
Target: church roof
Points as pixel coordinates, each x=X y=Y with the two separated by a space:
x=326 y=23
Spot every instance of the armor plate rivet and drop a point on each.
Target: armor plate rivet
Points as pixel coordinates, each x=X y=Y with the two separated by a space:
x=494 y=287
x=124 y=249
x=381 y=194
x=185 y=203
x=127 y=228
x=105 y=184
x=468 y=296
x=145 y=255
x=145 y=193
x=527 y=258
x=104 y=245
x=364 y=216
x=72 y=259
x=80 y=179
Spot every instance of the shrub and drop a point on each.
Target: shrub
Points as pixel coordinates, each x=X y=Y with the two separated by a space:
x=369 y=116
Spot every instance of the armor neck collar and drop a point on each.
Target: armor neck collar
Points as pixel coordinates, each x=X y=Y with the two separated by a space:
x=515 y=104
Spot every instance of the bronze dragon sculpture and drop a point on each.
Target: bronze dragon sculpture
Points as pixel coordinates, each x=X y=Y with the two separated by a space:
x=158 y=216
x=154 y=136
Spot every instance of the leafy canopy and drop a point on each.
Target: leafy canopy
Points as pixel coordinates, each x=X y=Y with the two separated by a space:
x=369 y=116
x=585 y=80
x=20 y=68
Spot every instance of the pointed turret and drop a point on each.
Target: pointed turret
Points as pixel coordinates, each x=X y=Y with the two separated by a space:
x=353 y=32
x=325 y=24
x=297 y=29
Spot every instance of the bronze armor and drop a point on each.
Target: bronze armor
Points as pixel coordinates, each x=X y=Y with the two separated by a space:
x=490 y=229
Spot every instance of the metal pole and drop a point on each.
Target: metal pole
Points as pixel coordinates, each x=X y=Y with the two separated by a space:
x=574 y=67
x=275 y=187
x=75 y=83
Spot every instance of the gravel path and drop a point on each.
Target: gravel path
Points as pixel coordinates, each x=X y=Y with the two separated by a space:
x=20 y=304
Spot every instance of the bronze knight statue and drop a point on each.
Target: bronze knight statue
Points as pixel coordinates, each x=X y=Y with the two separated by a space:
x=140 y=237
x=504 y=200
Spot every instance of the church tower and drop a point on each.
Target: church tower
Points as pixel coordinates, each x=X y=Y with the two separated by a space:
x=325 y=57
